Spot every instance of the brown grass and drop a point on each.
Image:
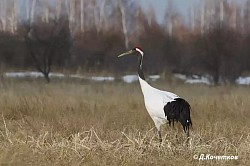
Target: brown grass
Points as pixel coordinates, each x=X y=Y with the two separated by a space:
x=69 y=123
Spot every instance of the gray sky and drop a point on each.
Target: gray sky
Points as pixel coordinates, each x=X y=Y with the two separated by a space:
x=181 y=5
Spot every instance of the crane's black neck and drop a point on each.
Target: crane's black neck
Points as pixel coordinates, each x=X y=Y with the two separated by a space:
x=139 y=67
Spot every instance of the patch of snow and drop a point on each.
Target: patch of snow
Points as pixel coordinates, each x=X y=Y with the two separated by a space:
x=32 y=74
x=198 y=80
x=154 y=77
x=58 y=75
x=99 y=78
x=76 y=76
x=243 y=80
x=195 y=77
x=55 y=75
x=180 y=76
x=130 y=78
x=23 y=74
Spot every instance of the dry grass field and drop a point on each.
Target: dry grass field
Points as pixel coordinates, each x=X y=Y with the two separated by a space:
x=76 y=123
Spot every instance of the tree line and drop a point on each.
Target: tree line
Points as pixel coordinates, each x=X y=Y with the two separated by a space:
x=87 y=35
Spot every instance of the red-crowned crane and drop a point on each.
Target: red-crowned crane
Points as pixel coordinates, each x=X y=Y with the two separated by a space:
x=162 y=106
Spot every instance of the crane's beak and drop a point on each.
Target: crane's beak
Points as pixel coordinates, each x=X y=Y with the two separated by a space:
x=126 y=53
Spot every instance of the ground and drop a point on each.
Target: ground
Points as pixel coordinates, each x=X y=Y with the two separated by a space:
x=84 y=123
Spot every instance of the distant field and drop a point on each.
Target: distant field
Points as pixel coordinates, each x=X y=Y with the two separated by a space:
x=77 y=123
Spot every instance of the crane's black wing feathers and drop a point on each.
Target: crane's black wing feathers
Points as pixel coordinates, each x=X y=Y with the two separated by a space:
x=178 y=110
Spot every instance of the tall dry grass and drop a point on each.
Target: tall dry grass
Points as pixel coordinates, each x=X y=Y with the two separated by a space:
x=69 y=123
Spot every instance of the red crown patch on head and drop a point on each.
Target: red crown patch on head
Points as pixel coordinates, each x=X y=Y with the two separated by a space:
x=138 y=48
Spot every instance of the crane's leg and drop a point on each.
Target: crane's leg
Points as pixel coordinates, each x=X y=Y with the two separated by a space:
x=158 y=124
x=158 y=127
x=187 y=132
x=160 y=138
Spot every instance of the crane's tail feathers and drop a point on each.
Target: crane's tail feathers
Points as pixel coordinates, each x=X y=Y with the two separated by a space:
x=187 y=126
x=179 y=110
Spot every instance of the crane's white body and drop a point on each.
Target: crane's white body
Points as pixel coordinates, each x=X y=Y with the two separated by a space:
x=155 y=100
x=161 y=104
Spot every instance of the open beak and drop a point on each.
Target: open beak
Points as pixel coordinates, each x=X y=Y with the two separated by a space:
x=126 y=53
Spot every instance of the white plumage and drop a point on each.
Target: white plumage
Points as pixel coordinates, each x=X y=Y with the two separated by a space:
x=162 y=106
x=155 y=100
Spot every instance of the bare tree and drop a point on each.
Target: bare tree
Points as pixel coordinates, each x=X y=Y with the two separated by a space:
x=8 y=15
x=44 y=41
x=32 y=11
x=3 y=15
x=169 y=17
x=219 y=54
x=102 y=14
x=27 y=9
x=124 y=23
x=46 y=11
x=151 y=15
x=72 y=14
x=192 y=18
x=222 y=11
x=202 y=18
x=247 y=17
x=82 y=16
x=58 y=8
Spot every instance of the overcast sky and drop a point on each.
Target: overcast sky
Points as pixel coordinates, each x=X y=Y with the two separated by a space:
x=181 y=5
